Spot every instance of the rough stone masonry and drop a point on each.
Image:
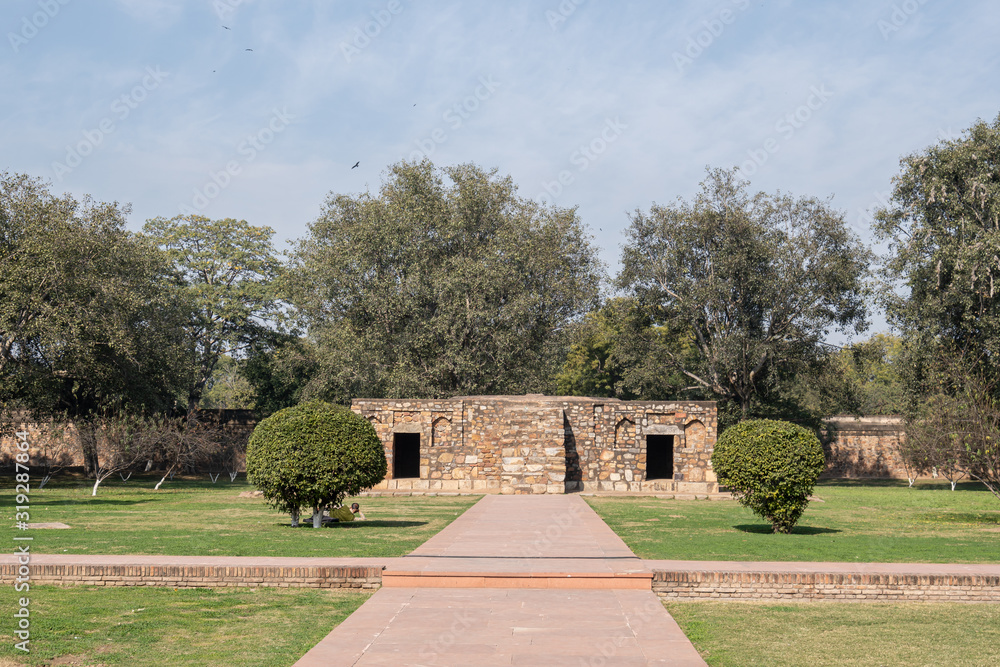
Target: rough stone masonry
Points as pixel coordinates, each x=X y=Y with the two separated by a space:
x=545 y=444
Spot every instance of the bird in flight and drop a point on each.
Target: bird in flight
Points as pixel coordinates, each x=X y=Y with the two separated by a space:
x=248 y=49
x=356 y=164
x=227 y=27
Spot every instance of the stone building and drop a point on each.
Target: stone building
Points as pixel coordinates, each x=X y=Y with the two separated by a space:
x=544 y=444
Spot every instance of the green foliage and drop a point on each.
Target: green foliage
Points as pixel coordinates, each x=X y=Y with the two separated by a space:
x=621 y=351
x=754 y=281
x=771 y=467
x=312 y=455
x=85 y=321
x=225 y=271
x=279 y=374
x=943 y=233
x=955 y=427
x=228 y=388
x=445 y=283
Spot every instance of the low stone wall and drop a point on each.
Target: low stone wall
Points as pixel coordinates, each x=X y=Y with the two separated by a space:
x=198 y=576
x=832 y=586
x=863 y=447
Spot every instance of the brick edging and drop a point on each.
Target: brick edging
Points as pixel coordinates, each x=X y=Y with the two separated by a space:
x=199 y=576
x=837 y=586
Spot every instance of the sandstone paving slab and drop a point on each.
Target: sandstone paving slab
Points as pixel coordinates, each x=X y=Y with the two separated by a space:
x=525 y=534
x=461 y=627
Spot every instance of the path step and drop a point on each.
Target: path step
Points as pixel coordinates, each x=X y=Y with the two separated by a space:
x=562 y=580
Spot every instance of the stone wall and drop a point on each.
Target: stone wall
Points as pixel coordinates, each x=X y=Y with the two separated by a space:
x=863 y=447
x=833 y=586
x=58 y=447
x=199 y=576
x=545 y=444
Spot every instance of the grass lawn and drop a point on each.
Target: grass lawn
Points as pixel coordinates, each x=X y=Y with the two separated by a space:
x=870 y=521
x=194 y=517
x=832 y=633
x=161 y=626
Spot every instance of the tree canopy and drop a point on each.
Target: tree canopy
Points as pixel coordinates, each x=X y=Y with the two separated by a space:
x=84 y=323
x=225 y=271
x=756 y=282
x=942 y=226
x=444 y=283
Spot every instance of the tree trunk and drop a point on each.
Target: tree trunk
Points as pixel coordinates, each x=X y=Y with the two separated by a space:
x=97 y=482
x=295 y=519
x=162 y=479
x=317 y=517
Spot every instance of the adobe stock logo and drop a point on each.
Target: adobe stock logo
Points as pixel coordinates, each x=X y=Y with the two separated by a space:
x=712 y=30
x=121 y=109
x=37 y=21
x=582 y=158
x=247 y=152
x=455 y=117
x=364 y=34
x=786 y=126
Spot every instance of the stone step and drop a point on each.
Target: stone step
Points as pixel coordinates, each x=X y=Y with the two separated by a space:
x=560 y=580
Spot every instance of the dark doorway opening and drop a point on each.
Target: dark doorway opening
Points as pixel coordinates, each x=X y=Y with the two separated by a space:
x=405 y=455
x=659 y=457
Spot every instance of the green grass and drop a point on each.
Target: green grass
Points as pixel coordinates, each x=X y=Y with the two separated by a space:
x=163 y=626
x=856 y=522
x=192 y=517
x=730 y=634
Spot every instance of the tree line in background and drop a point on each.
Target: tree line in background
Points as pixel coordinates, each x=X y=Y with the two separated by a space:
x=445 y=282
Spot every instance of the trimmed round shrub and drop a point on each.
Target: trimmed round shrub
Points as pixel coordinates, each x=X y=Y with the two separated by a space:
x=771 y=467
x=312 y=455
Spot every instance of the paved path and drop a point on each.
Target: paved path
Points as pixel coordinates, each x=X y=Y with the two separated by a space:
x=512 y=535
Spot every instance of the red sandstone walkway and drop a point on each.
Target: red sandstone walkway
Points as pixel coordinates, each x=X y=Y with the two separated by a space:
x=563 y=598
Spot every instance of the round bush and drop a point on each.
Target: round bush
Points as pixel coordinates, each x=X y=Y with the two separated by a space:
x=312 y=455
x=771 y=467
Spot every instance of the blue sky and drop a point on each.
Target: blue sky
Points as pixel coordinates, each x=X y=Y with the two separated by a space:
x=607 y=106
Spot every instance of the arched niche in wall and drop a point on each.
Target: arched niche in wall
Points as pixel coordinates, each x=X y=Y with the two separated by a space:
x=439 y=431
x=625 y=433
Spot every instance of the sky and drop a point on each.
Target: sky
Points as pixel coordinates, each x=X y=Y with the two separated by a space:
x=259 y=109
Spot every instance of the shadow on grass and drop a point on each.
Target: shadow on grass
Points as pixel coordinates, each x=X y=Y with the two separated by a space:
x=989 y=518
x=91 y=500
x=919 y=485
x=360 y=525
x=766 y=529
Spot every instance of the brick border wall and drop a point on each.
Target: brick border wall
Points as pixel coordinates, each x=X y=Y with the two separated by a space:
x=839 y=587
x=199 y=576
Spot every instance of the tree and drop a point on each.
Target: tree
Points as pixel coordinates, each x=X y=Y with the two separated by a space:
x=228 y=388
x=445 y=283
x=619 y=351
x=771 y=467
x=226 y=270
x=313 y=455
x=118 y=442
x=943 y=231
x=756 y=282
x=956 y=427
x=185 y=441
x=279 y=374
x=84 y=320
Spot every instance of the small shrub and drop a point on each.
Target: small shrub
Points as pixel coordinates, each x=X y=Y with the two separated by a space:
x=771 y=467
x=312 y=455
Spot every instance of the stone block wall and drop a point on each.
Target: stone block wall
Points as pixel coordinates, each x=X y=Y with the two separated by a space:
x=832 y=586
x=863 y=447
x=58 y=446
x=544 y=444
x=199 y=576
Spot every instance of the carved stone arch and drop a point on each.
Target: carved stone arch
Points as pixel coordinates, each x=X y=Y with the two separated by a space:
x=625 y=432
x=694 y=435
x=439 y=431
x=694 y=443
